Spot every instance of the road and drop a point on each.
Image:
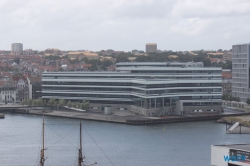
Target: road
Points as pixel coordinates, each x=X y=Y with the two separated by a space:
x=230 y=111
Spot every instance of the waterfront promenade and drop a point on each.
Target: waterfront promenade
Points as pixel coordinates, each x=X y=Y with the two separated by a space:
x=126 y=117
x=130 y=118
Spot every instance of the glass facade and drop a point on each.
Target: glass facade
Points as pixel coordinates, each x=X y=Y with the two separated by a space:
x=159 y=87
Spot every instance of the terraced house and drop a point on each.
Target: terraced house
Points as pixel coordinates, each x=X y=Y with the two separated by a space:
x=150 y=89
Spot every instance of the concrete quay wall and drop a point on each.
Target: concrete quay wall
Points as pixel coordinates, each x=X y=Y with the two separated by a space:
x=135 y=120
x=78 y=115
x=181 y=119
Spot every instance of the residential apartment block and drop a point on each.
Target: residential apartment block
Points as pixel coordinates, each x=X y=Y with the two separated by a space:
x=22 y=90
x=151 y=47
x=17 y=48
x=7 y=90
x=240 y=71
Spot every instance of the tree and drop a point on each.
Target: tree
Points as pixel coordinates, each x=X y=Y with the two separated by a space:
x=122 y=58
x=107 y=63
x=51 y=102
x=73 y=105
x=225 y=97
x=61 y=103
x=78 y=104
x=219 y=50
x=86 y=105
x=82 y=106
x=248 y=100
x=25 y=101
x=34 y=102
x=69 y=104
x=44 y=102
x=55 y=104
x=198 y=58
x=30 y=102
x=93 y=67
x=40 y=102
x=17 y=60
x=61 y=69
x=206 y=62
x=237 y=99
x=227 y=65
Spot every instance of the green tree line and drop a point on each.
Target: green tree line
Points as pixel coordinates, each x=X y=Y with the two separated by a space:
x=55 y=103
x=230 y=98
x=163 y=57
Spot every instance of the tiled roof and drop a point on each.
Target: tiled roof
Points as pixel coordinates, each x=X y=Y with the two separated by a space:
x=35 y=79
x=226 y=75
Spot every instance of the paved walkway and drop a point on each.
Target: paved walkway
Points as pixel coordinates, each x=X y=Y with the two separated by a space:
x=85 y=115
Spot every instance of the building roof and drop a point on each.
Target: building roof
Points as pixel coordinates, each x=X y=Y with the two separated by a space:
x=55 y=49
x=35 y=79
x=215 y=60
x=16 y=78
x=192 y=53
x=90 y=54
x=245 y=147
x=86 y=53
x=132 y=58
x=75 y=53
x=148 y=44
x=226 y=75
x=173 y=56
x=215 y=53
x=2 y=83
x=108 y=57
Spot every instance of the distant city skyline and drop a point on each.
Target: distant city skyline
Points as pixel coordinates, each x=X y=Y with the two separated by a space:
x=178 y=25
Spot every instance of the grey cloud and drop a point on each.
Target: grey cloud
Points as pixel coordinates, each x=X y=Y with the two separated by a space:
x=124 y=24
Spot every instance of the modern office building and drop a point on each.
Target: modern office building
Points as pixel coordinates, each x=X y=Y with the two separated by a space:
x=17 y=48
x=150 y=89
x=35 y=87
x=151 y=47
x=240 y=71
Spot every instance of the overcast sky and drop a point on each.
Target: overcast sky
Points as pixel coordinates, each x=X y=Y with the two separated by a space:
x=124 y=24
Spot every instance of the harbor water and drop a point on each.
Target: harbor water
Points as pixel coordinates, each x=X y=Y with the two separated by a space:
x=178 y=144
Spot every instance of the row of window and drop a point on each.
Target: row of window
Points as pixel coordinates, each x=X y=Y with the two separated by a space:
x=239 y=56
x=160 y=100
x=202 y=104
x=8 y=92
x=131 y=84
x=239 y=49
x=130 y=90
x=177 y=72
x=204 y=110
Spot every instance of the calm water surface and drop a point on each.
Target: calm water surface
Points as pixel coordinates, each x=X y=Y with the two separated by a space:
x=176 y=144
